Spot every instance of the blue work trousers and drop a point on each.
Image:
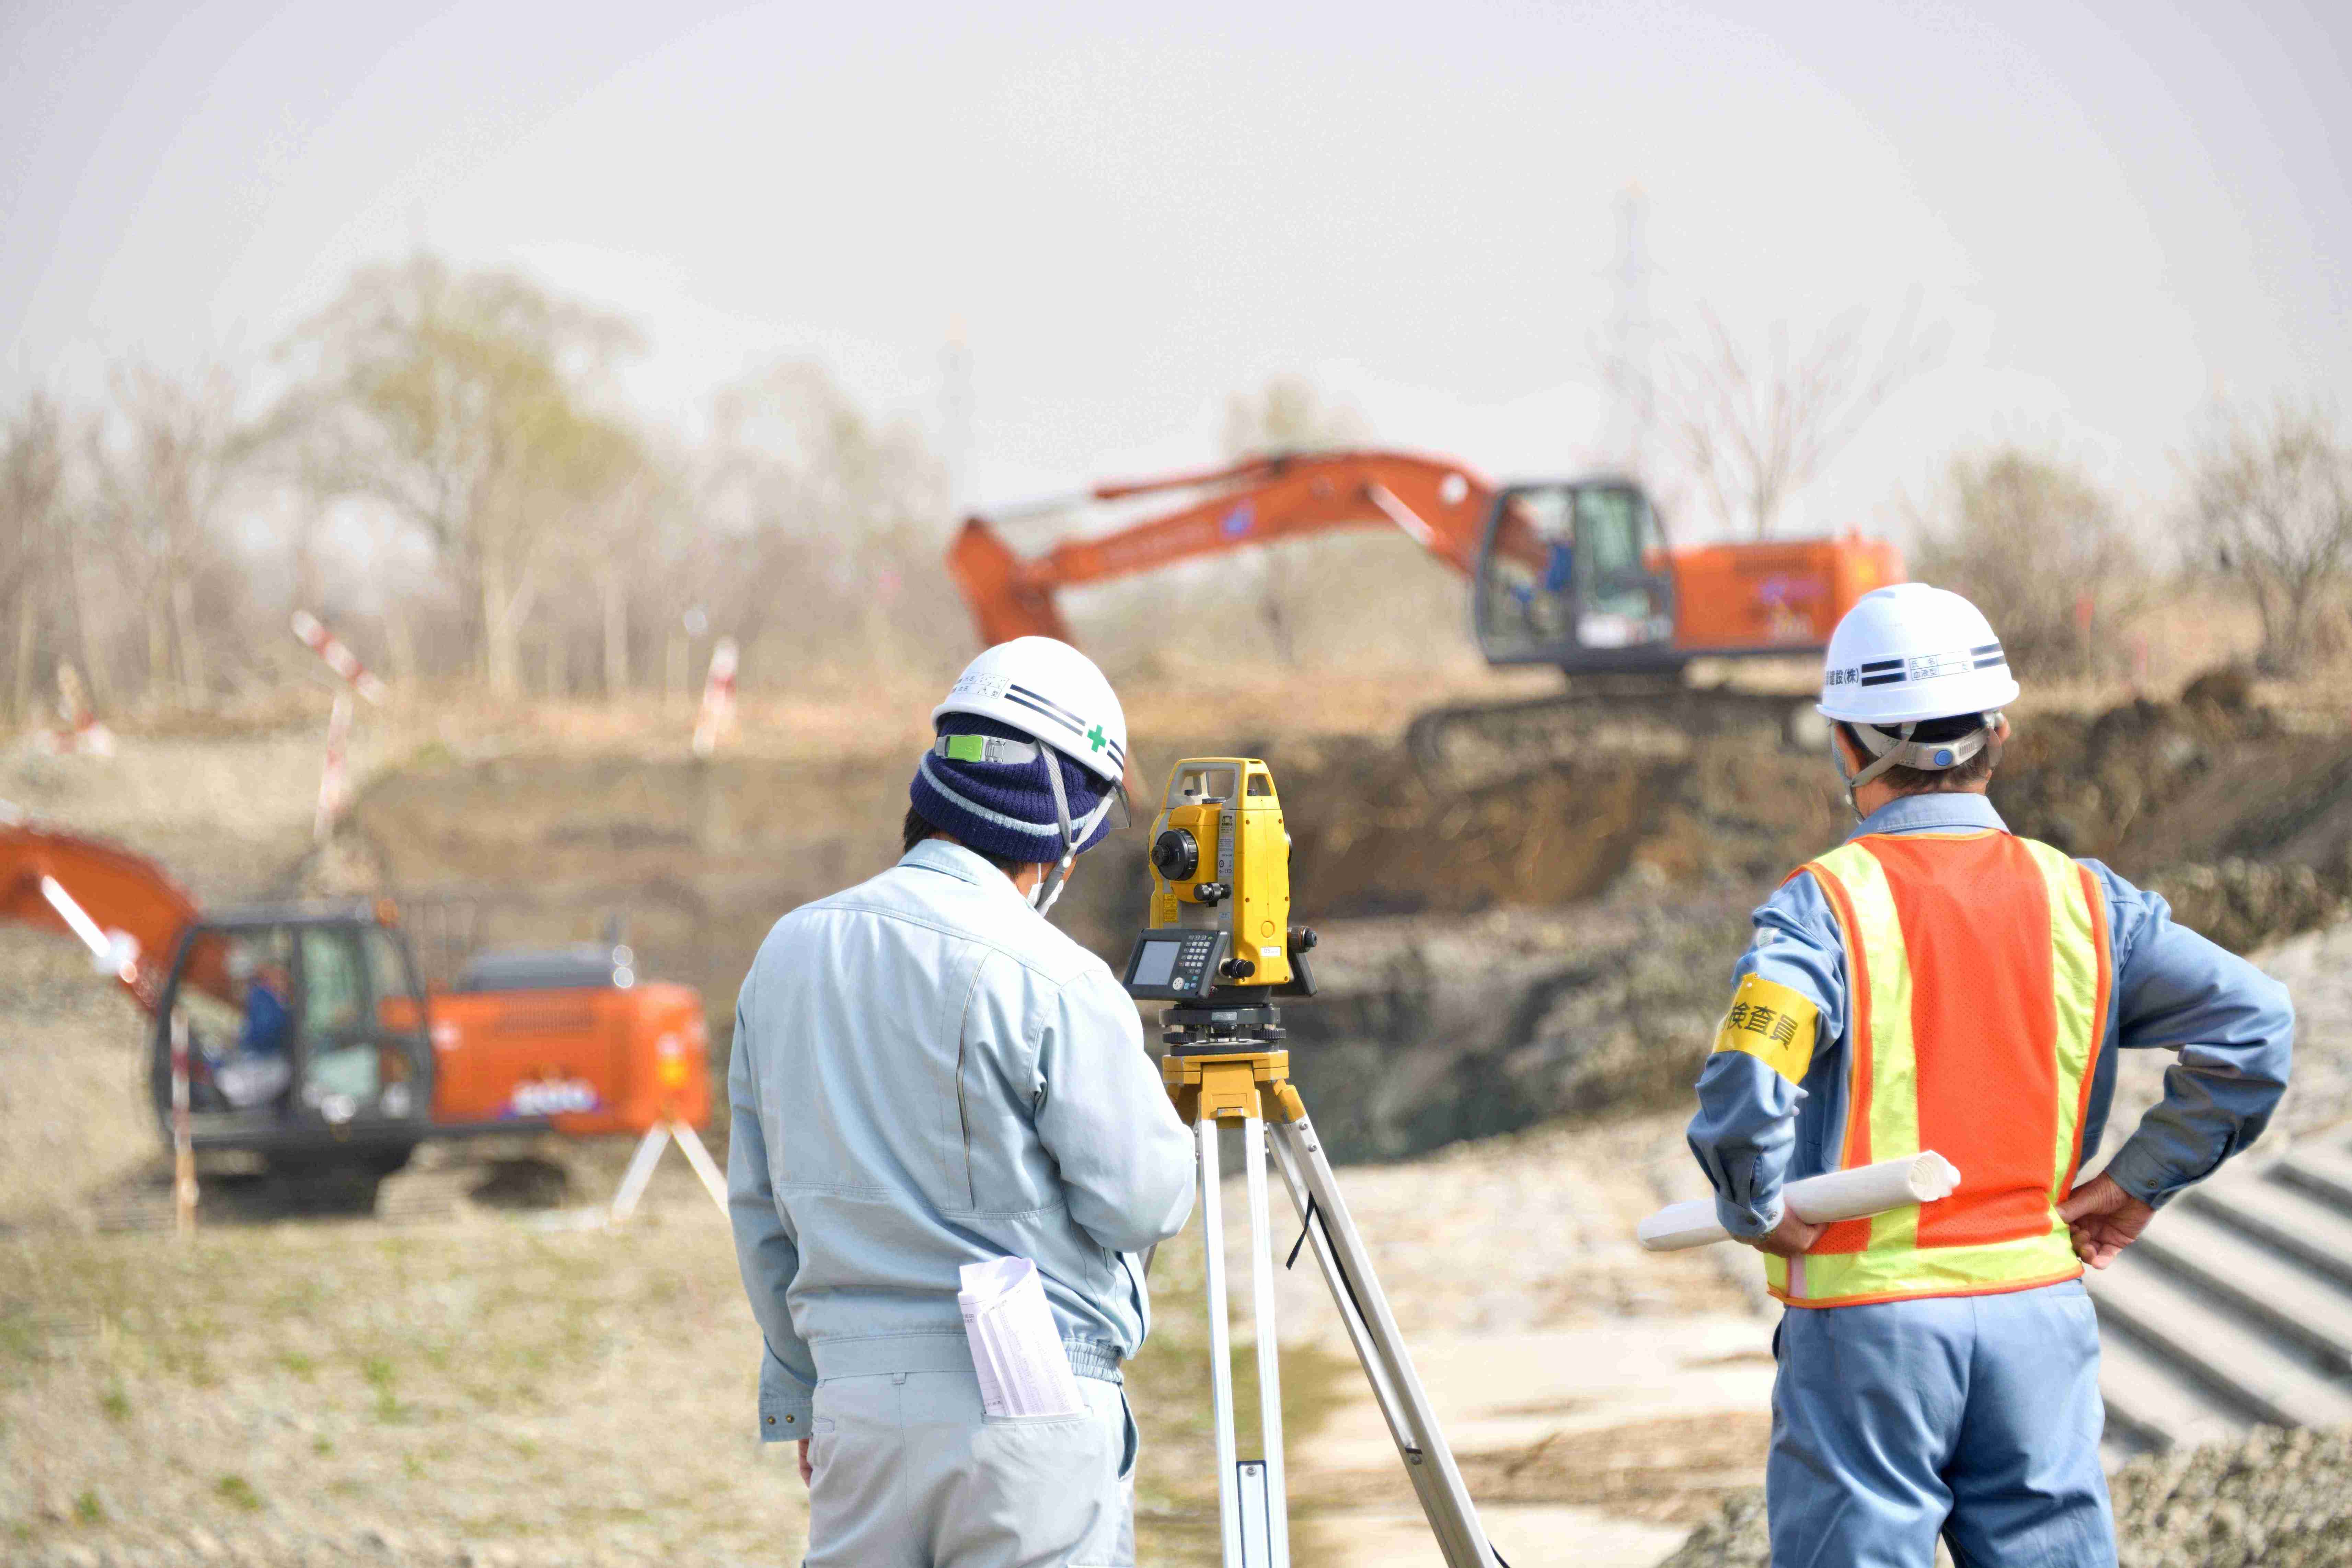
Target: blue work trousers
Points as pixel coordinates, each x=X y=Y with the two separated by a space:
x=1977 y=1417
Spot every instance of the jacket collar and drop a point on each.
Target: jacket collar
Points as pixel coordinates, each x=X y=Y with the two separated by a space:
x=953 y=859
x=1939 y=812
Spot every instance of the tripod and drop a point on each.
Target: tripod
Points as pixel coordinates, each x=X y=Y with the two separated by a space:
x=1223 y=1066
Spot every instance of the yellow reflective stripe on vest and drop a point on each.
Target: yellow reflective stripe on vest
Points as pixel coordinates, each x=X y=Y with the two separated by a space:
x=1890 y=1121
x=1893 y=1097
x=1883 y=1091
x=2075 y=936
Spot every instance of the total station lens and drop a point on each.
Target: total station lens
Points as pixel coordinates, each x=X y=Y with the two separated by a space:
x=1176 y=854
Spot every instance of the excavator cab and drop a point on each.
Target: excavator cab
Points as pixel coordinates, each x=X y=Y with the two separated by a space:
x=306 y=1037
x=1576 y=573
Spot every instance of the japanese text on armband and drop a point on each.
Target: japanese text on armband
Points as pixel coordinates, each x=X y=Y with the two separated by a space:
x=1771 y=1023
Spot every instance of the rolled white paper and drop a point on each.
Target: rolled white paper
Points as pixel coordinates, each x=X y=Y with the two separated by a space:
x=1817 y=1200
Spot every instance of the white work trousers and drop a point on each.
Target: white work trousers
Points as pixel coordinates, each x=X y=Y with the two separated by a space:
x=911 y=1473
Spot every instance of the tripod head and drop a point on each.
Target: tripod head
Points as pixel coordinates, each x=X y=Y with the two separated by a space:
x=1194 y=1031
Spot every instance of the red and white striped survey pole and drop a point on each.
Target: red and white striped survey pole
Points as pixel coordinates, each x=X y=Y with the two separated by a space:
x=334 y=791
x=718 y=698
x=333 y=787
x=184 y=1146
x=116 y=952
x=82 y=731
x=340 y=659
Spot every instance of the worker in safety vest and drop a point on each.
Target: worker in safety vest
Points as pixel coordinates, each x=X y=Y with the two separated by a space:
x=1937 y=983
x=928 y=1075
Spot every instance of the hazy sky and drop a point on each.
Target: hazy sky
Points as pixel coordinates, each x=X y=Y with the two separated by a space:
x=2113 y=209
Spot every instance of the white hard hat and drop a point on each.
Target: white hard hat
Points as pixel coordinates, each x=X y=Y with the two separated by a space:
x=1049 y=689
x=1910 y=653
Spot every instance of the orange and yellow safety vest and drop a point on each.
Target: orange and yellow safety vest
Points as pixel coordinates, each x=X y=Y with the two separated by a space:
x=1977 y=976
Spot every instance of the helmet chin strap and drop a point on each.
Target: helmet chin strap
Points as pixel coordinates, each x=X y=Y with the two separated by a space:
x=1901 y=751
x=1049 y=887
x=1877 y=766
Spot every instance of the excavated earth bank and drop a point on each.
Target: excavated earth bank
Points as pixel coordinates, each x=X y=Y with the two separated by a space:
x=1495 y=954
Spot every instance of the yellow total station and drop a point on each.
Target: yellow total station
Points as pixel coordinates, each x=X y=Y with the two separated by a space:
x=1219 y=921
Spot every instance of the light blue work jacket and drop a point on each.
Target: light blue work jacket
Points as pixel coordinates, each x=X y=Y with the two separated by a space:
x=2231 y=1024
x=927 y=1074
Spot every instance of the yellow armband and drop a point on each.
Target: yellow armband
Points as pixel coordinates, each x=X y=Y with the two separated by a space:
x=1773 y=1023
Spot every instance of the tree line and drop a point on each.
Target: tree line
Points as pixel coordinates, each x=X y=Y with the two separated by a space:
x=444 y=473
x=442 y=469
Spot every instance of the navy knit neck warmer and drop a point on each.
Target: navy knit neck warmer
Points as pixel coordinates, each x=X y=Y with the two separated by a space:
x=1003 y=809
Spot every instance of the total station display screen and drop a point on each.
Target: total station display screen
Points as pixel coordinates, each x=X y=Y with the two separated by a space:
x=1156 y=964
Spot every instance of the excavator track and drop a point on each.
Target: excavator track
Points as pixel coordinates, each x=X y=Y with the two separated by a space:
x=1639 y=717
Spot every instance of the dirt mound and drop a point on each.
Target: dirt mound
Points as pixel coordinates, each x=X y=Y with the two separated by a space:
x=2280 y=1499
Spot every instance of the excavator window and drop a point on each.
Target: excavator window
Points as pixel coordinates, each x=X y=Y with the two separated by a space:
x=1575 y=574
x=240 y=1028
x=1620 y=602
x=340 y=1072
x=1524 y=587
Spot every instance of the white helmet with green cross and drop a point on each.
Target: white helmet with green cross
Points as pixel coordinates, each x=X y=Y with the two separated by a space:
x=1049 y=689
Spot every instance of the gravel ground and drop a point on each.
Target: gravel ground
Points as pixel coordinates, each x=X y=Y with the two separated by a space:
x=2279 y=1499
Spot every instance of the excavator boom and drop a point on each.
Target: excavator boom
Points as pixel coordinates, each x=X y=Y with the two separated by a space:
x=1442 y=504
x=73 y=886
x=1576 y=573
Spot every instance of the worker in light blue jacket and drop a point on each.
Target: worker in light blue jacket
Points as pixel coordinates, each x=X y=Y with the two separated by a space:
x=1937 y=981
x=928 y=1074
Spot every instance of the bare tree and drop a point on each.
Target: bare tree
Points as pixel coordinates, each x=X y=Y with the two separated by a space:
x=461 y=402
x=164 y=464
x=2039 y=546
x=823 y=529
x=33 y=454
x=2272 y=495
x=1753 y=427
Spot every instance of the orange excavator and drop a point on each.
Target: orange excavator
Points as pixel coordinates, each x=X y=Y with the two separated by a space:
x=1576 y=573
x=311 y=1041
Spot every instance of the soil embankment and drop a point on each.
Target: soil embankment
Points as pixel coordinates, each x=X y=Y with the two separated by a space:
x=1520 y=947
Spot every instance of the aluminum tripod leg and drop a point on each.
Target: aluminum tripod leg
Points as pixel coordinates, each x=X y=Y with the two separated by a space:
x=1253 y=1513
x=1270 y=1346
x=1355 y=1291
x=1220 y=1355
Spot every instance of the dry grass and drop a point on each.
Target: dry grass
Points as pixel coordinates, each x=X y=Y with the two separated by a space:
x=479 y=1381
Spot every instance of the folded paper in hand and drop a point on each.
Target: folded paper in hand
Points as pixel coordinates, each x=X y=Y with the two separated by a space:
x=1016 y=1348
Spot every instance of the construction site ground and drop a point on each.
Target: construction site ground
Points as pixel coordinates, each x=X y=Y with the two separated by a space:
x=1519 y=974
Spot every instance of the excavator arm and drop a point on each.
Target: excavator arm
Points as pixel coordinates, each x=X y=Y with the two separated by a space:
x=100 y=894
x=1442 y=505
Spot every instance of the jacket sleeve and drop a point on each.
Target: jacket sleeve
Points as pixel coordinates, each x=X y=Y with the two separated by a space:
x=1102 y=1112
x=765 y=1249
x=1748 y=1092
x=2233 y=1026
